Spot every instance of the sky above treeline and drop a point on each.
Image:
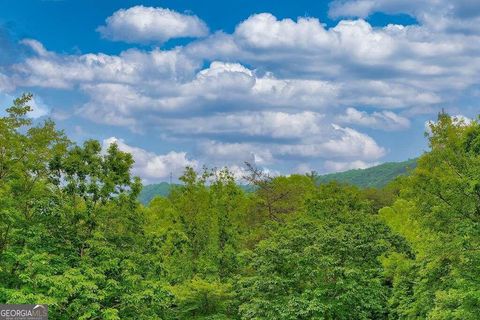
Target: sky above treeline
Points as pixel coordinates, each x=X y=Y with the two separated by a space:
x=292 y=86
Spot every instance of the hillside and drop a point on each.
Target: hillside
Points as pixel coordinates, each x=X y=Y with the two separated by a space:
x=152 y=190
x=373 y=177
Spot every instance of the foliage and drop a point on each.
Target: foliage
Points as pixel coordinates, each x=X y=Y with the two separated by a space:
x=439 y=215
x=322 y=265
x=374 y=178
x=74 y=235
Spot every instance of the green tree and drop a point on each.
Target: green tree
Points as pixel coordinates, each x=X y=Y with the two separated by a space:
x=323 y=264
x=197 y=230
x=439 y=215
x=69 y=227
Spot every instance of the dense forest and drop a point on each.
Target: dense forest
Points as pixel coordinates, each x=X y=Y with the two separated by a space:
x=74 y=235
x=374 y=177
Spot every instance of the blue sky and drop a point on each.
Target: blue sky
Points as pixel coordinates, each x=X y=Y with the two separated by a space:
x=293 y=86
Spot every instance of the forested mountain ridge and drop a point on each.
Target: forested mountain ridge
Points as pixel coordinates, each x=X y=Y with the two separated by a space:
x=150 y=191
x=374 y=177
x=73 y=235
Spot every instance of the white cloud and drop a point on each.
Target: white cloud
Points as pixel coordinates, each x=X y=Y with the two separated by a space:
x=264 y=31
x=234 y=83
x=338 y=143
x=218 y=68
x=346 y=143
x=425 y=71
x=36 y=46
x=235 y=153
x=152 y=167
x=39 y=108
x=388 y=94
x=141 y=24
x=5 y=84
x=349 y=48
x=306 y=37
x=455 y=16
x=132 y=66
x=239 y=172
x=295 y=93
x=260 y=124
x=273 y=87
x=351 y=8
x=221 y=87
x=292 y=64
x=385 y=120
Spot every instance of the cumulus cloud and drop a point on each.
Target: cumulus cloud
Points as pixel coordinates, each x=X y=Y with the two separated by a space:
x=352 y=47
x=52 y=70
x=453 y=16
x=420 y=9
x=354 y=39
x=463 y=119
x=225 y=82
x=264 y=31
x=385 y=120
x=389 y=67
x=271 y=90
x=346 y=143
x=153 y=167
x=222 y=87
x=338 y=143
x=308 y=39
x=355 y=58
x=236 y=153
x=388 y=94
x=141 y=24
x=279 y=125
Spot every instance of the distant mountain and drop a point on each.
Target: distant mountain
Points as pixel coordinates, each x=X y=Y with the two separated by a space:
x=373 y=177
x=150 y=191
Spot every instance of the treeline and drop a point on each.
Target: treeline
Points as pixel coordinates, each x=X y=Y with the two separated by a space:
x=73 y=235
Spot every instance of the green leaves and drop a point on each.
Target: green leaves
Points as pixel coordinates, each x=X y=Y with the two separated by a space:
x=200 y=298
x=322 y=265
x=94 y=176
x=439 y=217
x=69 y=221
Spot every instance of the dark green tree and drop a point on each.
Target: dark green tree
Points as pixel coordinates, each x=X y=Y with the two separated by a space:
x=324 y=264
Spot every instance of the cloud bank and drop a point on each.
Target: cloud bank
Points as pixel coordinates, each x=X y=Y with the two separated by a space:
x=284 y=93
